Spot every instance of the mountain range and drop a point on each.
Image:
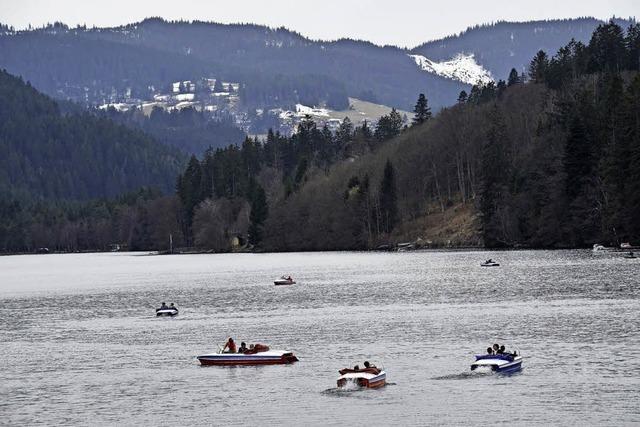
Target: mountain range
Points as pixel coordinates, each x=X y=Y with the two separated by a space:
x=275 y=67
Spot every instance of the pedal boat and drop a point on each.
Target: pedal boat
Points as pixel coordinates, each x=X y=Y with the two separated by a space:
x=490 y=264
x=504 y=363
x=271 y=357
x=367 y=378
x=166 y=312
x=284 y=281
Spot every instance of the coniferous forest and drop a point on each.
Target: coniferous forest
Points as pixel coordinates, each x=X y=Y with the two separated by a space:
x=545 y=158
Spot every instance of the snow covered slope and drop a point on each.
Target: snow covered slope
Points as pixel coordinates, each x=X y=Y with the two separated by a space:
x=461 y=67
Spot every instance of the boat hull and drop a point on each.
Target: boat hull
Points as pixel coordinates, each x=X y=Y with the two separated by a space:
x=498 y=364
x=490 y=265
x=284 y=282
x=364 y=380
x=166 y=313
x=235 y=359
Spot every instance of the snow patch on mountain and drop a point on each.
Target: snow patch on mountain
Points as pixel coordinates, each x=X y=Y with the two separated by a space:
x=462 y=67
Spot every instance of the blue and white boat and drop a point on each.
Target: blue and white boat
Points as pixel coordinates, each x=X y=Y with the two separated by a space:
x=503 y=363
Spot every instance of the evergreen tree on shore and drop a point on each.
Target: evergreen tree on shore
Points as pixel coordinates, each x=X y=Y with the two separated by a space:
x=422 y=110
x=388 y=198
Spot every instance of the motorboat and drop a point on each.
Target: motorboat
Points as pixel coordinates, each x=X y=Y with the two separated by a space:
x=367 y=377
x=166 y=311
x=270 y=357
x=489 y=263
x=284 y=280
x=503 y=363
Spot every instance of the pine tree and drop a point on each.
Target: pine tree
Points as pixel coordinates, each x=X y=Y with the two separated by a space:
x=514 y=78
x=462 y=98
x=389 y=126
x=538 y=67
x=388 y=198
x=495 y=174
x=577 y=158
x=607 y=48
x=258 y=215
x=632 y=42
x=422 y=110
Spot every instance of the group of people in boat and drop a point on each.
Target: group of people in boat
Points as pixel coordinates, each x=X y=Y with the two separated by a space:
x=500 y=349
x=368 y=368
x=230 y=347
x=164 y=306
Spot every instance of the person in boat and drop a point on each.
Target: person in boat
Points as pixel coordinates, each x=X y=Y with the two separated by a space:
x=356 y=368
x=502 y=350
x=172 y=307
x=289 y=278
x=370 y=367
x=496 y=347
x=256 y=348
x=243 y=348
x=163 y=306
x=230 y=345
x=489 y=350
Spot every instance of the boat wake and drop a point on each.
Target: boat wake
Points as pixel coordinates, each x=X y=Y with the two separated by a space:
x=480 y=372
x=349 y=388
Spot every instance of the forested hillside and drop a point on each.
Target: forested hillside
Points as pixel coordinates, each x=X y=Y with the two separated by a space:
x=50 y=155
x=190 y=131
x=553 y=162
x=546 y=159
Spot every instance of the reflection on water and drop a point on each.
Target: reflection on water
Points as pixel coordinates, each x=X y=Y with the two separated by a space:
x=82 y=345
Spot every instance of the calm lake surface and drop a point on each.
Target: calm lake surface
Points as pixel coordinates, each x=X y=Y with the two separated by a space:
x=81 y=343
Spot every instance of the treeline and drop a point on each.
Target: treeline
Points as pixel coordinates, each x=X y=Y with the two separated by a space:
x=549 y=159
x=221 y=193
x=140 y=220
x=581 y=185
x=52 y=155
x=188 y=130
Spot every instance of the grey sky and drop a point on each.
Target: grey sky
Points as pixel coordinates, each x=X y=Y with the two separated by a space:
x=399 y=22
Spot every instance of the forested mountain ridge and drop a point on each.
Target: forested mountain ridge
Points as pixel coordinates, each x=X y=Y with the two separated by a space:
x=50 y=155
x=504 y=45
x=276 y=67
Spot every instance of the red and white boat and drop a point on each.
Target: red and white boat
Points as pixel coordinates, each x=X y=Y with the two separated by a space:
x=271 y=357
x=368 y=377
x=284 y=280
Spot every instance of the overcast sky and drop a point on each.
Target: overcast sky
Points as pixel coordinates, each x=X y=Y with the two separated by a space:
x=399 y=22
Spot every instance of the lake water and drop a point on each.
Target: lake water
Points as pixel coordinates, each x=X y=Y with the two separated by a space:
x=81 y=343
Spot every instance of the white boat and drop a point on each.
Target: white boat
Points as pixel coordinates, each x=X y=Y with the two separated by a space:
x=284 y=280
x=368 y=378
x=270 y=357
